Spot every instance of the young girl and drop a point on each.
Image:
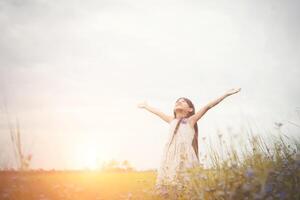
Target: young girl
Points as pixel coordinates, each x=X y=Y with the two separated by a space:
x=181 y=149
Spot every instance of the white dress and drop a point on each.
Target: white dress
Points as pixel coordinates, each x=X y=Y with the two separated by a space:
x=177 y=157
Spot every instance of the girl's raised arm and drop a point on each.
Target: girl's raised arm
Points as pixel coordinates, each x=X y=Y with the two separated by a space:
x=155 y=111
x=194 y=118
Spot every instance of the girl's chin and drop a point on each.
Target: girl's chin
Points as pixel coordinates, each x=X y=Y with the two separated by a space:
x=179 y=110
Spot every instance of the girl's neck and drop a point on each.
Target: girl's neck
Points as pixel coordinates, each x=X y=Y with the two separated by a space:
x=180 y=115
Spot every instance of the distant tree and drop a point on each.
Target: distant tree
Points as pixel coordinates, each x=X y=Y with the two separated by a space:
x=114 y=165
x=109 y=166
x=127 y=166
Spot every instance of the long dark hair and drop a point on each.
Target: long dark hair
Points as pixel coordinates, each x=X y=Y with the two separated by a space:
x=195 y=139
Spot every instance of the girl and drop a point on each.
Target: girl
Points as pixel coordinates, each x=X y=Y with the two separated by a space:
x=181 y=149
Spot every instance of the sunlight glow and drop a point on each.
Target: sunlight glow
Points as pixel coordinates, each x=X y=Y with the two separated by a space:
x=88 y=155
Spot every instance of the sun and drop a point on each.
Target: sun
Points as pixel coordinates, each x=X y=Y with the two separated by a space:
x=90 y=160
x=88 y=155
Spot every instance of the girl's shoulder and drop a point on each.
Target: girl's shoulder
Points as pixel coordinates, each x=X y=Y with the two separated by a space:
x=173 y=121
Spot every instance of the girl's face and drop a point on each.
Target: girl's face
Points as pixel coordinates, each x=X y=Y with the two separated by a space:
x=182 y=105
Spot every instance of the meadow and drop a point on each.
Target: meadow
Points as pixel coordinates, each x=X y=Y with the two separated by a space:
x=261 y=168
x=46 y=185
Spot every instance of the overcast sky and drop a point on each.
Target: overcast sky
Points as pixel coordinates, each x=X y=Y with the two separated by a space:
x=73 y=72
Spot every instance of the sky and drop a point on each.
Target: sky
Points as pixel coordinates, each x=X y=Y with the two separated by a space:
x=73 y=72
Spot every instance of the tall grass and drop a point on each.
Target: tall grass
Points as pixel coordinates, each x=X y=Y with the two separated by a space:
x=259 y=168
x=22 y=160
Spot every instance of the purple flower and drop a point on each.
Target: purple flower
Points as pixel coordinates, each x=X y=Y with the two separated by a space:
x=249 y=173
x=282 y=195
x=268 y=188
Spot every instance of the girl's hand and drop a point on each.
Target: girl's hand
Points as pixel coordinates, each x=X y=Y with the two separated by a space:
x=233 y=91
x=142 y=105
